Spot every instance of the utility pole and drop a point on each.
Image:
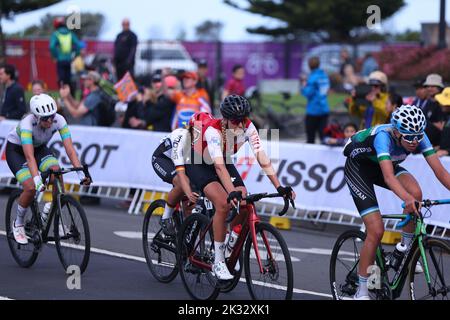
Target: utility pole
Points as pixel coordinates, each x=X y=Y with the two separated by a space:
x=442 y=27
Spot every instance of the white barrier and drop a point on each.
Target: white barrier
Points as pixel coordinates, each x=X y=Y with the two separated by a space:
x=121 y=158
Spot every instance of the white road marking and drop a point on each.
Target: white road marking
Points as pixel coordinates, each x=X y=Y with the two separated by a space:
x=140 y=259
x=5 y=298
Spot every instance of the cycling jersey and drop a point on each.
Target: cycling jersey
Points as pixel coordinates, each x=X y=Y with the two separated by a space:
x=187 y=106
x=29 y=132
x=379 y=143
x=171 y=155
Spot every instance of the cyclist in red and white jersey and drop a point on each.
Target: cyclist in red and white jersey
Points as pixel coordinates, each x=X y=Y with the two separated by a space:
x=212 y=171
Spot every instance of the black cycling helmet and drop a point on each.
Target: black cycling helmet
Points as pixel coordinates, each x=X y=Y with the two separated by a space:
x=235 y=107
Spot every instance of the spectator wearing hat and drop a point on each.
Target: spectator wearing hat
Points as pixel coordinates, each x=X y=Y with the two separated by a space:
x=444 y=100
x=374 y=110
x=204 y=82
x=85 y=111
x=432 y=109
x=421 y=97
x=236 y=84
x=188 y=101
x=12 y=104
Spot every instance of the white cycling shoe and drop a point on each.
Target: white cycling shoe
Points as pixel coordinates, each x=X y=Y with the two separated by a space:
x=19 y=234
x=221 y=272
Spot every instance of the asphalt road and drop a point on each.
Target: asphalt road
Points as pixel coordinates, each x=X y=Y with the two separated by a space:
x=117 y=268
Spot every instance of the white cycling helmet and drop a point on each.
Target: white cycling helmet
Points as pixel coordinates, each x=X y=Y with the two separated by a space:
x=409 y=120
x=43 y=105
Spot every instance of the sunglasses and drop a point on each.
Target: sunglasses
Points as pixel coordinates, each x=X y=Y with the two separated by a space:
x=410 y=138
x=48 y=118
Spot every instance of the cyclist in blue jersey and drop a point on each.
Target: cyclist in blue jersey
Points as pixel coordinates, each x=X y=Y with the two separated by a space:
x=373 y=158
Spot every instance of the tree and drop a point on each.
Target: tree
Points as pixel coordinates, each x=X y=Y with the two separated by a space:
x=330 y=20
x=91 y=25
x=9 y=8
x=209 y=30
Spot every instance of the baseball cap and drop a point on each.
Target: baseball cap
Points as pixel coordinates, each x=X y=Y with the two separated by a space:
x=157 y=77
x=202 y=63
x=190 y=75
x=93 y=75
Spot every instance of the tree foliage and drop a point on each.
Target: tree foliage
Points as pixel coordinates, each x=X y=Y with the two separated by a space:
x=209 y=30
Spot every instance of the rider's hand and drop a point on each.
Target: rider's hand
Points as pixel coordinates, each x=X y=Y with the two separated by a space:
x=234 y=197
x=193 y=197
x=84 y=181
x=286 y=192
x=410 y=205
x=38 y=184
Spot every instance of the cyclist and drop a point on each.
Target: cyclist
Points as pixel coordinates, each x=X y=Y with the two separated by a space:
x=373 y=158
x=168 y=162
x=27 y=148
x=212 y=171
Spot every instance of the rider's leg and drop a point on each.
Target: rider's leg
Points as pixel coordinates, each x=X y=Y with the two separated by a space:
x=174 y=197
x=412 y=187
x=25 y=200
x=374 y=230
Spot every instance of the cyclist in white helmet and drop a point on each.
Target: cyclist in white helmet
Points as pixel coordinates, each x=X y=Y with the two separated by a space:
x=27 y=154
x=373 y=158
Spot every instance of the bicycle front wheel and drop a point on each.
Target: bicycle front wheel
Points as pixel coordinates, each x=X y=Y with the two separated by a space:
x=196 y=242
x=159 y=249
x=344 y=264
x=24 y=255
x=72 y=237
x=276 y=280
x=437 y=254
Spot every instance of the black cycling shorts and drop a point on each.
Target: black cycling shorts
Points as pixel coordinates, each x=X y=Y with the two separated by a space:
x=17 y=162
x=201 y=175
x=163 y=165
x=361 y=178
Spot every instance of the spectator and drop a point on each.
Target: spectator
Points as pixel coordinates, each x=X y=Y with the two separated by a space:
x=444 y=100
x=347 y=72
x=38 y=87
x=315 y=89
x=13 y=105
x=369 y=65
x=189 y=101
x=236 y=84
x=373 y=111
x=432 y=109
x=88 y=110
x=395 y=101
x=64 y=47
x=421 y=94
x=125 y=50
x=349 y=131
x=204 y=82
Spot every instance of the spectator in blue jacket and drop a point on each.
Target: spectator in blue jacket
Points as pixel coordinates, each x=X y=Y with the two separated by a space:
x=64 y=47
x=12 y=102
x=315 y=89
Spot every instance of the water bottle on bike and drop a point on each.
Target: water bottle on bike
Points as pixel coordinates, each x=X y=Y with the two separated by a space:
x=231 y=242
x=397 y=256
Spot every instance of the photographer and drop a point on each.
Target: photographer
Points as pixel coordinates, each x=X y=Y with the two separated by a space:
x=369 y=101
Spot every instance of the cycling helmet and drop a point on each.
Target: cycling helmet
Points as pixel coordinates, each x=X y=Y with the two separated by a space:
x=43 y=105
x=199 y=117
x=235 y=107
x=409 y=120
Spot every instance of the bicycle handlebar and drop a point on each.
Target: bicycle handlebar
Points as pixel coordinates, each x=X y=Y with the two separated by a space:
x=425 y=204
x=252 y=198
x=85 y=169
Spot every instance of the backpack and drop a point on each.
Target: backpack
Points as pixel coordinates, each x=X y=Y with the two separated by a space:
x=106 y=110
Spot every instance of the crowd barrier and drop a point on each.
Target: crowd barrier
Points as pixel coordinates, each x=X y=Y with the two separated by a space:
x=120 y=164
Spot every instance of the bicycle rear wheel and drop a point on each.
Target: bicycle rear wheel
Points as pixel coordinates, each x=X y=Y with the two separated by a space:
x=438 y=259
x=72 y=237
x=24 y=255
x=200 y=283
x=159 y=249
x=276 y=281
x=344 y=264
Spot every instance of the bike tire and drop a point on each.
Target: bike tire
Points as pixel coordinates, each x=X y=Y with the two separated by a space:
x=24 y=255
x=164 y=270
x=349 y=287
x=273 y=266
x=418 y=282
x=73 y=244
x=199 y=283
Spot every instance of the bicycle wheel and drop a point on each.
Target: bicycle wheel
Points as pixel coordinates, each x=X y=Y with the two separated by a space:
x=276 y=281
x=438 y=259
x=25 y=255
x=72 y=237
x=200 y=283
x=344 y=264
x=159 y=249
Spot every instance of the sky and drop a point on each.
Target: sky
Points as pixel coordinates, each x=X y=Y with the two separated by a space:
x=164 y=19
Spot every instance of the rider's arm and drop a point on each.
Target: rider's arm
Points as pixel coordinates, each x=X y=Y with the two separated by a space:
x=214 y=140
x=440 y=172
x=28 y=151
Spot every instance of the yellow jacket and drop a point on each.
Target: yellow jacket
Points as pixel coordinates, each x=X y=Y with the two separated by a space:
x=370 y=118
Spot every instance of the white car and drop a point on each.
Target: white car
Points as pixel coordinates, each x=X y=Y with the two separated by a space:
x=152 y=56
